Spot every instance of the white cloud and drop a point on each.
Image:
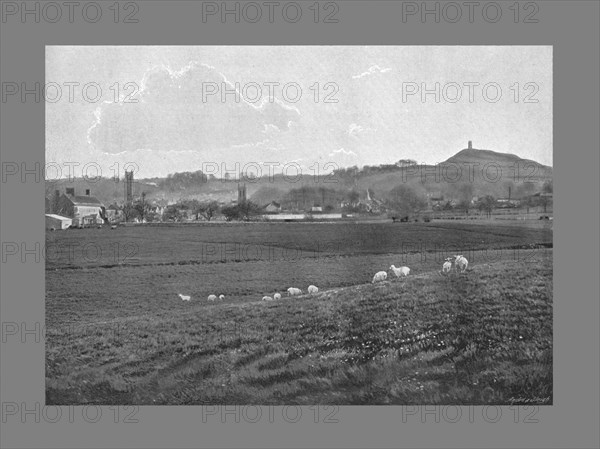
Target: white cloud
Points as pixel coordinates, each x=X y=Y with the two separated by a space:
x=173 y=113
x=342 y=152
x=354 y=130
x=373 y=69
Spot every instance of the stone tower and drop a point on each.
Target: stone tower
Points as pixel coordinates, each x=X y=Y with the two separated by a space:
x=241 y=193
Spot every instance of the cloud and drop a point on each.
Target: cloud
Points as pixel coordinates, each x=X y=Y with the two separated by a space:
x=372 y=70
x=175 y=110
x=354 y=130
x=342 y=152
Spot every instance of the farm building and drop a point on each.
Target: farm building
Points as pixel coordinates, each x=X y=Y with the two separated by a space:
x=301 y=217
x=114 y=213
x=57 y=221
x=273 y=207
x=83 y=209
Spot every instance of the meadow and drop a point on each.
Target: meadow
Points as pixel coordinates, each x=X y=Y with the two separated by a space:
x=117 y=333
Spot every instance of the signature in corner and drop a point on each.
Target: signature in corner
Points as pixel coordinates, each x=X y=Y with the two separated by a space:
x=535 y=399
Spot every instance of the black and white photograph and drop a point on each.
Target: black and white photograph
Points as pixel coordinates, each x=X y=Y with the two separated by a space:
x=299 y=225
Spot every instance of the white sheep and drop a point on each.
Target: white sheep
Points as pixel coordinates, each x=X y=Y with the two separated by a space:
x=460 y=262
x=184 y=297
x=277 y=296
x=221 y=297
x=379 y=277
x=313 y=289
x=292 y=291
x=447 y=265
x=267 y=298
x=212 y=297
x=399 y=272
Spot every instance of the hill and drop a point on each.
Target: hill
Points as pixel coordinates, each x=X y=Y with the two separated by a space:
x=527 y=168
x=477 y=172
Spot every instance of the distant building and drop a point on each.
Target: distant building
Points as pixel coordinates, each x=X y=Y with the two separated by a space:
x=316 y=208
x=435 y=196
x=504 y=203
x=113 y=213
x=241 y=194
x=54 y=221
x=82 y=209
x=273 y=207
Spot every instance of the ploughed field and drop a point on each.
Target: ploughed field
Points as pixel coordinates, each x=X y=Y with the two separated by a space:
x=117 y=333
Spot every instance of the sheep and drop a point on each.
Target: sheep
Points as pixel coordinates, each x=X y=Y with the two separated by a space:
x=267 y=298
x=460 y=262
x=221 y=297
x=113 y=227
x=399 y=272
x=277 y=296
x=212 y=297
x=379 y=277
x=447 y=265
x=294 y=291
x=312 y=289
x=184 y=297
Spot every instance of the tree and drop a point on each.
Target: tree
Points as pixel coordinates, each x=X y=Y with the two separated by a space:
x=247 y=210
x=546 y=195
x=230 y=213
x=322 y=191
x=142 y=207
x=208 y=210
x=129 y=211
x=353 y=197
x=487 y=204
x=172 y=213
x=406 y=162
x=405 y=201
x=464 y=205
x=243 y=211
x=465 y=195
x=529 y=202
x=152 y=216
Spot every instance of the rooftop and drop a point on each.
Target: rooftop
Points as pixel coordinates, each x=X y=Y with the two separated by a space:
x=84 y=200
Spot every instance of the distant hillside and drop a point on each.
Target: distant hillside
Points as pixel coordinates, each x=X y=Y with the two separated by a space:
x=476 y=171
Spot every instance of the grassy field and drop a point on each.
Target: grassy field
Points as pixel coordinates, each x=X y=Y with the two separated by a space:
x=118 y=334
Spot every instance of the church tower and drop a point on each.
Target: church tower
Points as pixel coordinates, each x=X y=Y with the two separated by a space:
x=241 y=193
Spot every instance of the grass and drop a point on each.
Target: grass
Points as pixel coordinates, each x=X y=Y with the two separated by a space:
x=117 y=335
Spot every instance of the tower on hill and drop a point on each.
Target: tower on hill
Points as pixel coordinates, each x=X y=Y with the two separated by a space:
x=470 y=145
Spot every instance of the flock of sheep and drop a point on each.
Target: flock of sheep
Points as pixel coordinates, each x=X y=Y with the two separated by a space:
x=292 y=291
x=460 y=264
x=210 y=297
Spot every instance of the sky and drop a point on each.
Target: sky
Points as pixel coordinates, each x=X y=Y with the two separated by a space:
x=309 y=108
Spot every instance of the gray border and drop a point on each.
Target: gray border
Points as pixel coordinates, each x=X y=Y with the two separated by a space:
x=571 y=27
